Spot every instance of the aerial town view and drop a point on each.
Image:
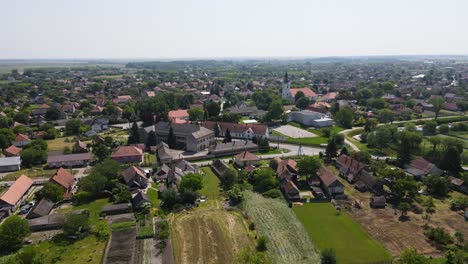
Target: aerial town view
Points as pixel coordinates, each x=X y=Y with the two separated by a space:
x=243 y=132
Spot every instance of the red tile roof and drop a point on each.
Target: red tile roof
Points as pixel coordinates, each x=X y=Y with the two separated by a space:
x=326 y=176
x=17 y=190
x=22 y=137
x=246 y=156
x=63 y=178
x=307 y=92
x=125 y=151
x=180 y=113
x=13 y=150
x=331 y=95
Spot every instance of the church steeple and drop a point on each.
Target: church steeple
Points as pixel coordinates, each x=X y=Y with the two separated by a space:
x=286 y=79
x=286 y=90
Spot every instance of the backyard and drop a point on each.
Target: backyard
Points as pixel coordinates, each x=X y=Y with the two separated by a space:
x=328 y=228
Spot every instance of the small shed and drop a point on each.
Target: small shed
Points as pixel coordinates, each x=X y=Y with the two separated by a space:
x=117 y=209
x=378 y=201
x=42 y=208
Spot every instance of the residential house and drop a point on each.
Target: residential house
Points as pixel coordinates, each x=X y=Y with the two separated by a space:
x=69 y=161
x=244 y=110
x=64 y=179
x=42 y=208
x=11 y=199
x=290 y=190
x=420 y=167
x=163 y=153
x=220 y=167
x=21 y=140
x=10 y=164
x=12 y=151
x=330 y=182
x=80 y=147
x=246 y=158
x=140 y=200
x=128 y=154
x=358 y=172
x=459 y=184
x=47 y=222
x=286 y=170
x=122 y=99
x=134 y=177
x=100 y=124
x=329 y=97
x=244 y=131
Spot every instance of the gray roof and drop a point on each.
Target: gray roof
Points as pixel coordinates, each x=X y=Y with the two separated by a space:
x=182 y=129
x=8 y=161
x=42 y=208
x=113 y=207
x=69 y=157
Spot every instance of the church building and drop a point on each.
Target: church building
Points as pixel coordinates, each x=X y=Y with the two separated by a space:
x=289 y=93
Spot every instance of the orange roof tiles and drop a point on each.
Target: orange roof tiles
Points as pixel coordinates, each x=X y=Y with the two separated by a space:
x=17 y=190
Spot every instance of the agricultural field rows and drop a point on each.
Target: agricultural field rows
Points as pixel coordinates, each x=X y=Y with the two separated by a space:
x=287 y=239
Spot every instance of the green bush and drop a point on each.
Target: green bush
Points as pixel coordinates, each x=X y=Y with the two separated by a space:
x=145 y=232
x=439 y=236
x=459 y=203
x=273 y=193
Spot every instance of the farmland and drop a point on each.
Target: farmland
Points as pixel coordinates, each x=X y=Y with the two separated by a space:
x=288 y=240
x=348 y=239
x=209 y=234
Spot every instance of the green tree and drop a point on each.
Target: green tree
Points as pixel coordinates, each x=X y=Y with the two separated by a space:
x=212 y=108
x=52 y=113
x=227 y=136
x=228 y=179
x=444 y=129
x=169 y=198
x=74 y=127
x=151 y=140
x=404 y=188
x=437 y=185
x=371 y=124
x=385 y=116
x=451 y=160
x=404 y=208
x=275 y=110
x=6 y=137
x=264 y=179
x=51 y=191
x=437 y=102
x=235 y=194
x=101 y=152
x=12 y=232
x=191 y=181
x=262 y=244
x=72 y=224
x=308 y=165
x=328 y=256
x=408 y=143
x=430 y=128
x=121 y=194
x=195 y=113
x=299 y=95
x=250 y=256
x=171 y=139
x=330 y=151
x=303 y=102
x=411 y=256
x=345 y=117
x=134 y=137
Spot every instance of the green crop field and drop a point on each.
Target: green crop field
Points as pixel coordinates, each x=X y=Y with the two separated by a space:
x=327 y=229
x=287 y=239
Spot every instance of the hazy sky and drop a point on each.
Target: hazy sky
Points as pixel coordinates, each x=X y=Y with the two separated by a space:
x=235 y=28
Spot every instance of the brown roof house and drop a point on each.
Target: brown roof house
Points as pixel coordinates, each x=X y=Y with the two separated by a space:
x=246 y=158
x=330 y=182
x=128 y=154
x=13 y=196
x=290 y=190
x=358 y=172
x=70 y=160
x=79 y=147
x=64 y=179
x=421 y=167
x=21 y=140
x=134 y=177
x=286 y=170
x=12 y=151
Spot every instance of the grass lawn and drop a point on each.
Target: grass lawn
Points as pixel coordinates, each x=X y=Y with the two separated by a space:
x=36 y=172
x=59 y=144
x=150 y=158
x=93 y=207
x=153 y=195
x=351 y=243
x=314 y=141
x=210 y=188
